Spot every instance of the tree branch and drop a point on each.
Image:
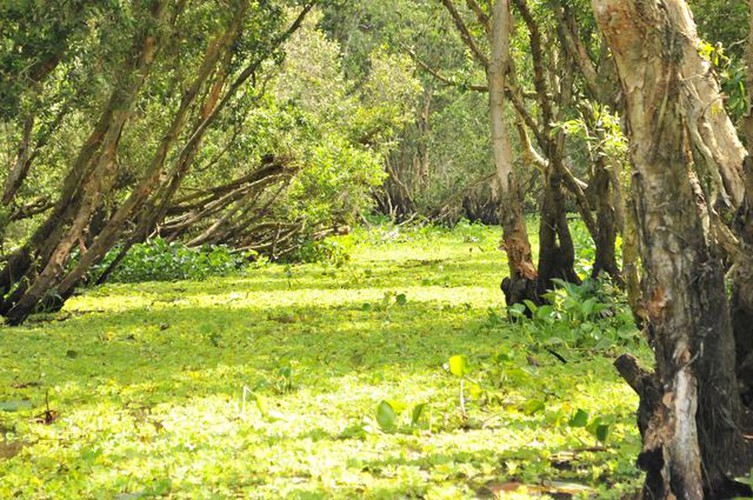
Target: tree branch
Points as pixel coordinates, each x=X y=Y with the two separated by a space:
x=442 y=78
x=482 y=17
x=465 y=33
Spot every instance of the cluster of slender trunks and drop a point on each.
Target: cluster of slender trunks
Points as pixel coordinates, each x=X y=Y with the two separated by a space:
x=93 y=212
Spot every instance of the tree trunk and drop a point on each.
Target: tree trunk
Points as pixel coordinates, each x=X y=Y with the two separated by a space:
x=91 y=175
x=693 y=437
x=523 y=275
x=556 y=249
x=606 y=239
x=89 y=179
x=20 y=170
x=631 y=256
x=741 y=301
x=109 y=234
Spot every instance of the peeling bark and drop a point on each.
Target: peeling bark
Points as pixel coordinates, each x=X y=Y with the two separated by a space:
x=693 y=437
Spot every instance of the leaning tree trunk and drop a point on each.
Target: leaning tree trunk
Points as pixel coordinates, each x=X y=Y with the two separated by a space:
x=87 y=181
x=693 y=437
x=521 y=283
x=108 y=236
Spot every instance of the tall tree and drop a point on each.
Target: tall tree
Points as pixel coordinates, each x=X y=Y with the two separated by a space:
x=523 y=281
x=515 y=239
x=693 y=436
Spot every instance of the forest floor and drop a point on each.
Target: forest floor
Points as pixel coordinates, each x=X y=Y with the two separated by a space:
x=312 y=381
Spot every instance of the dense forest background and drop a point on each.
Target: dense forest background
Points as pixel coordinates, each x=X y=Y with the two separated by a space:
x=263 y=127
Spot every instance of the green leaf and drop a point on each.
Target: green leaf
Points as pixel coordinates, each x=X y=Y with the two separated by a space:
x=587 y=307
x=475 y=391
x=386 y=416
x=600 y=427
x=580 y=419
x=504 y=354
x=400 y=299
x=397 y=406
x=602 y=432
x=544 y=312
x=517 y=310
x=418 y=410
x=458 y=365
x=530 y=306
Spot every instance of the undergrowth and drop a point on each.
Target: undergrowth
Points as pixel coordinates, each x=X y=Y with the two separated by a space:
x=160 y=260
x=390 y=374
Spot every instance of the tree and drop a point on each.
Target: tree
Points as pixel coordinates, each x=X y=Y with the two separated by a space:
x=693 y=437
x=211 y=124
x=523 y=281
x=229 y=55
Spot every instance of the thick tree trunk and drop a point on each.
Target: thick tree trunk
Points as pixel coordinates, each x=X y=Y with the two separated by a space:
x=631 y=256
x=693 y=438
x=556 y=248
x=522 y=277
x=741 y=301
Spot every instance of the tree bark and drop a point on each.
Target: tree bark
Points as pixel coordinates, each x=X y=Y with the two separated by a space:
x=606 y=239
x=109 y=234
x=514 y=236
x=741 y=301
x=693 y=437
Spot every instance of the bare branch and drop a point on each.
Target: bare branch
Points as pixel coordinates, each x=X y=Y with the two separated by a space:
x=443 y=78
x=568 y=33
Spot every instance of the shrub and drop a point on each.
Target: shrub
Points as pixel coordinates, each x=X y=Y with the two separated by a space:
x=593 y=314
x=327 y=251
x=159 y=260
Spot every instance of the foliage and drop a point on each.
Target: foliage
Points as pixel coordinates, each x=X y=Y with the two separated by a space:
x=593 y=315
x=160 y=260
x=722 y=23
x=270 y=385
x=322 y=251
x=326 y=133
x=732 y=76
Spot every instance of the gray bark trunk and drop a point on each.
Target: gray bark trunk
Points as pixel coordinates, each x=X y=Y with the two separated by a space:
x=692 y=438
